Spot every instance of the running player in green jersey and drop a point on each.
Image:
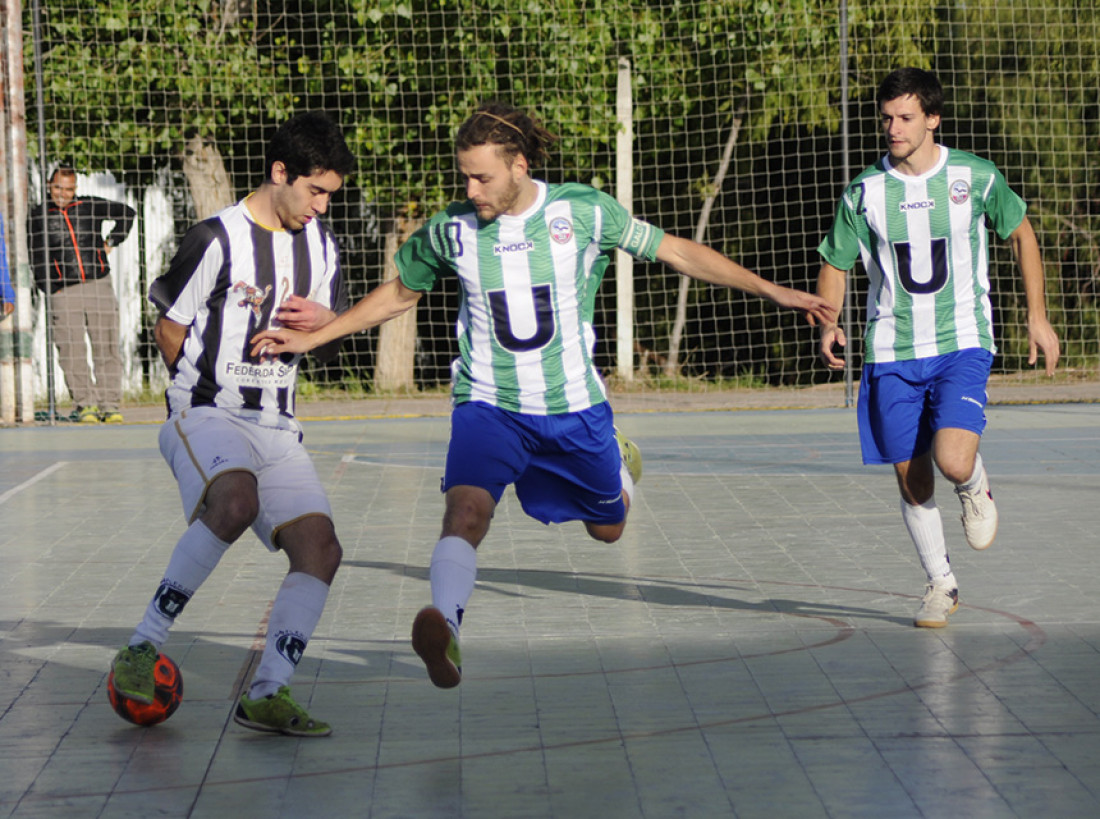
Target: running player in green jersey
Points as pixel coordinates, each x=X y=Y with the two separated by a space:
x=530 y=407
x=918 y=219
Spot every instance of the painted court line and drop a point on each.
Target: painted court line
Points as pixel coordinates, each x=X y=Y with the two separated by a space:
x=45 y=473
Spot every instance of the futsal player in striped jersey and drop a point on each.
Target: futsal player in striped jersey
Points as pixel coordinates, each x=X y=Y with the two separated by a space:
x=919 y=219
x=231 y=438
x=530 y=408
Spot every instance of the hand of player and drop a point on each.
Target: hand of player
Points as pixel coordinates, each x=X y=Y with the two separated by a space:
x=270 y=344
x=816 y=309
x=297 y=313
x=831 y=335
x=1041 y=336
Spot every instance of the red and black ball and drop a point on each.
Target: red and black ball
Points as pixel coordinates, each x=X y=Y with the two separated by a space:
x=166 y=699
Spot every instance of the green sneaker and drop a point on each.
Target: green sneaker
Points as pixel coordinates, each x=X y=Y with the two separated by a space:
x=632 y=456
x=437 y=645
x=87 y=415
x=278 y=713
x=133 y=672
x=112 y=417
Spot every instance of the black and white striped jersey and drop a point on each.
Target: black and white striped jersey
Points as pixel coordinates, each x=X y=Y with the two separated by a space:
x=225 y=282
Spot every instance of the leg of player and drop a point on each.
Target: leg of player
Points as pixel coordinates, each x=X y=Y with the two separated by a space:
x=230 y=507
x=453 y=574
x=916 y=481
x=314 y=553
x=630 y=472
x=957 y=456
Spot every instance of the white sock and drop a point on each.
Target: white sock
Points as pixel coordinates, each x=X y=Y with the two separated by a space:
x=628 y=483
x=196 y=554
x=926 y=529
x=294 y=615
x=975 y=477
x=453 y=574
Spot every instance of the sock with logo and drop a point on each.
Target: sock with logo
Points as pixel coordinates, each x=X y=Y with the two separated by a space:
x=194 y=558
x=294 y=615
x=453 y=574
x=926 y=529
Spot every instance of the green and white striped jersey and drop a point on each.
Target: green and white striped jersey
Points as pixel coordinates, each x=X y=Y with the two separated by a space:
x=925 y=248
x=528 y=283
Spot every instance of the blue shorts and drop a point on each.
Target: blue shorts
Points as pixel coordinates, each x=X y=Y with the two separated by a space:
x=564 y=467
x=903 y=403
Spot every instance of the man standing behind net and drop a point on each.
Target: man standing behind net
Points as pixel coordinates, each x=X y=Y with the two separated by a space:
x=530 y=407
x=918 y=218
x=76 y=270
x=231 y=438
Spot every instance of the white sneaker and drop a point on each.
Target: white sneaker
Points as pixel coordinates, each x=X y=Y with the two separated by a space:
x=938 y=602
x=979 y=515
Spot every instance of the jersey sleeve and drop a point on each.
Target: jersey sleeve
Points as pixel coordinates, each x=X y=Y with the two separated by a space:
x=419 y=263
x=1004 y=209
x=179 y=293
x=621 y=230
x=840 y=247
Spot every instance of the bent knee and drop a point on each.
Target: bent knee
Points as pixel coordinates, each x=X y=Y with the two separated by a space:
x=606 y=533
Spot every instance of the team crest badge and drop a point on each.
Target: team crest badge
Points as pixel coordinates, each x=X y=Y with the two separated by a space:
x=253 y=297
x=960 y=191
x=561 y=230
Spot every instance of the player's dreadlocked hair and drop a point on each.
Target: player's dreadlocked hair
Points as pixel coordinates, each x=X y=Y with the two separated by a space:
x=494 y=123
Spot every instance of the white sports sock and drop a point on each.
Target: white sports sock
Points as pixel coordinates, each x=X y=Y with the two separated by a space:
x=453 y=574
x=926 y=529
x=196 y=554
x=628 y=483
x=294 y=615
x=975 y=477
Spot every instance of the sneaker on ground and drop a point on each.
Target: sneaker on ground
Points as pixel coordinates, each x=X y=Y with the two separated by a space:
x=979 y=514
x=278 y=713
x=937 y=603
x=632 y=456
x=437 y=645
x=133 y=669
x=111 y=417
x=87 y=415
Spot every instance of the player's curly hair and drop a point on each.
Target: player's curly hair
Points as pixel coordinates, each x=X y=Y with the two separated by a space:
x=513 y=131
x=307 y=143
x=916 y=81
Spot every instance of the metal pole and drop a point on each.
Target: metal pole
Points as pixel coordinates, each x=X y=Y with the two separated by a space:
x=845 y=162
x=624 y=192
x=44 y=227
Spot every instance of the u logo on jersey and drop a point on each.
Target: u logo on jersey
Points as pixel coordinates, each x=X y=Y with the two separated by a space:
x=502 y=320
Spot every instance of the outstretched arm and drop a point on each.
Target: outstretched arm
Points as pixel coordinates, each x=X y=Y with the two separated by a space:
x=701 y=262
x=385 y=302
x=1040 y=335
x=831 y=283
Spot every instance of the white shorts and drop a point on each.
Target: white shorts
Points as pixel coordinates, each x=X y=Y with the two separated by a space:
x=201 y=443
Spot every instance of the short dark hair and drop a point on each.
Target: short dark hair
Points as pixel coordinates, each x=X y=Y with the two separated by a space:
x=64 y=169
x=916 y=81
x=514 y=132
x=307 y=143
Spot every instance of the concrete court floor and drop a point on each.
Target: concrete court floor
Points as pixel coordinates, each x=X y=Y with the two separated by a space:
x=746 y=649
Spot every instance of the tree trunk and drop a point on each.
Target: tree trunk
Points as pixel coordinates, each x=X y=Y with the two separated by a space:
x=394 y=370
x=206 y=177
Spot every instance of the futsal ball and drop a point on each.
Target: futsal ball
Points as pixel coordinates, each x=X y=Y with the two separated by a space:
x=166 y=698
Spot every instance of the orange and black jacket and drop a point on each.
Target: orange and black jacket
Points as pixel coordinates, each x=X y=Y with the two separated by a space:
x=76 y=240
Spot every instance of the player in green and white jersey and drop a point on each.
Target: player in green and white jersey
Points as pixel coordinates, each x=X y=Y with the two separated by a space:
x=530 y=407
x=918 y=220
